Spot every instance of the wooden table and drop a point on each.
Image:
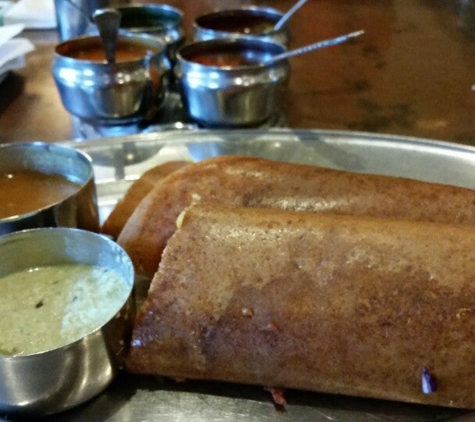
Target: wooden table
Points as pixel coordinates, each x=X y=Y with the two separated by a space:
x=410 y=74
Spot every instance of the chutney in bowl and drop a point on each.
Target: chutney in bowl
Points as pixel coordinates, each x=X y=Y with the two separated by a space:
x=67 y=311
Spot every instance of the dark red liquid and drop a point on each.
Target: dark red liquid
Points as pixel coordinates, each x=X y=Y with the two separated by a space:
x=224 y=60
x=243 y=22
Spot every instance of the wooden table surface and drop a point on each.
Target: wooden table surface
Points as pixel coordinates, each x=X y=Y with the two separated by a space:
x=411 y=73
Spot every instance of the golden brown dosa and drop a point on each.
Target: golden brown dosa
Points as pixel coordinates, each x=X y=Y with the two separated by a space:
x=138 y=190
x=254 y=182
x=341 y=304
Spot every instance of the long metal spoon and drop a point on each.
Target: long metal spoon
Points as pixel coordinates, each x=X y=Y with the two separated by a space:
x=321 y=44
x=108 y=23
x=282 y=21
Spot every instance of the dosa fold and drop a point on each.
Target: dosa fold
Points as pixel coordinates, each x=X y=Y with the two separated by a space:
x=237 y=181
x=116 y=220
x=341 y=304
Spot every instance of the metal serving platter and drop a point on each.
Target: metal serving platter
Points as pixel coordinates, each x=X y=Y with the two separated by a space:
x=121 y=160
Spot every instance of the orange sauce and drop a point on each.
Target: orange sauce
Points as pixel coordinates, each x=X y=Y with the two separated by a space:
x=224 y=60
x=243 y=23
x=28 y=191
x=125 y=52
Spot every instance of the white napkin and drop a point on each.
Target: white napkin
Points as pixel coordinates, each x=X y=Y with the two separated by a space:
x=9 y=31
x=34 y=14
x=12 y=50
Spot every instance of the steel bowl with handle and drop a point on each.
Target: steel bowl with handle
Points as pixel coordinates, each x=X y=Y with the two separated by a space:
x=228 y=83
x=117 y=93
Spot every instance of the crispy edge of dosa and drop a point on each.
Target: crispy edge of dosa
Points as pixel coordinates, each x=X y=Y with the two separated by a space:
x=254 y=182
x=122 y=211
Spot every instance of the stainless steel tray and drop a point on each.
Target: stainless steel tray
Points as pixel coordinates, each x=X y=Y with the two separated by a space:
x=119 y=161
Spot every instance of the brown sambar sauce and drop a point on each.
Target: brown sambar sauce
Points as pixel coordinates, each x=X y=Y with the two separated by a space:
x=27 y=191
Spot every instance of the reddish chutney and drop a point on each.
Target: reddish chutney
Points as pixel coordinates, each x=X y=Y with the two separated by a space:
x=126 y=51
x=244 y=23
x=224 y=60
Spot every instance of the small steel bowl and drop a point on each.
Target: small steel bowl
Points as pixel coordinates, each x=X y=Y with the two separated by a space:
x=161 y=21
x=60 y=378
x=245 y=93
x=78 y=210
x=104 y=93
x=247 y=21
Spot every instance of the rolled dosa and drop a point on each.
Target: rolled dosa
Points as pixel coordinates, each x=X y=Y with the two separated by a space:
x=254 y=182
x=119 y=215
x=341 y=304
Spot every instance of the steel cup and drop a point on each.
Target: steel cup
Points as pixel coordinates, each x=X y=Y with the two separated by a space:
x=161 y=21
x=78 y=210
x=120 y=93
x=57 y=379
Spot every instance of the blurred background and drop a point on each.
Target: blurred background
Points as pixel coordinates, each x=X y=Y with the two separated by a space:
x=411 y=73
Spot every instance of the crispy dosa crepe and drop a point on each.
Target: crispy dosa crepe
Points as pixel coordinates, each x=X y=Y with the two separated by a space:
x=254 y=182
x=342 y=304
x=137 y=191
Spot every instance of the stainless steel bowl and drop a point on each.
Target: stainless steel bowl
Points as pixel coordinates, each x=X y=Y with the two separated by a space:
x=162 y=21
x=124 y=92
x=78 y=210
x=232 y=96
x=246 y=21
x=55 y=380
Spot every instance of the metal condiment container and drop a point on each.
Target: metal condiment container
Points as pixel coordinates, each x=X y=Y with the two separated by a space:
x=233 y=96
x=78 y=210
x=118 y=93
x=162 y=21
x=55 y=380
